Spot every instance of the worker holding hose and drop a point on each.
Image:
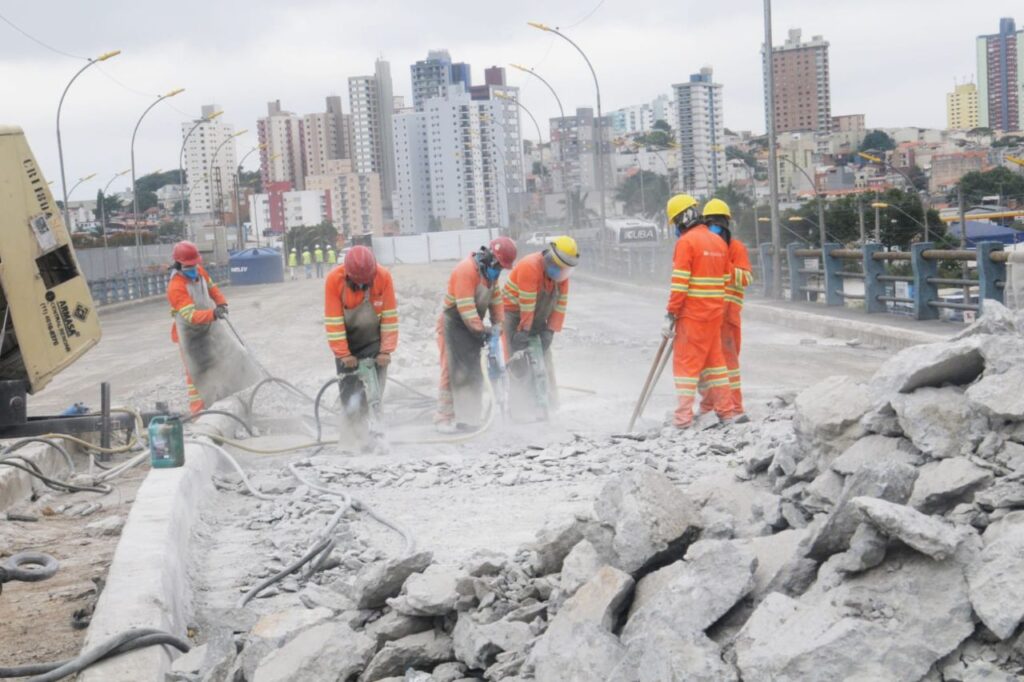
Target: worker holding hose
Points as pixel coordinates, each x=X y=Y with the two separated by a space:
x=718 y=218
x=195 y=303
x=696 y=307
x=462 y=335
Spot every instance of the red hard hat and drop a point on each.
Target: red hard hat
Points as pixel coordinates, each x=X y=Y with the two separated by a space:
x=504 y=250
x=187 y=254
x=360 y=265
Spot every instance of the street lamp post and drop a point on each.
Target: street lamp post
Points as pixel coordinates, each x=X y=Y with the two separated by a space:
x=561 y=144
x=817 y=195
x=209 y=176
x=60 y=147
x=135 y=190
x=773 y=164
x=181 y=167
x=67 y=197
x=238 y=182
x=103 y=218
x=600 y=119
x=536 y=125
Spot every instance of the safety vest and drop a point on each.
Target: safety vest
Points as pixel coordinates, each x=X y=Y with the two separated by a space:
x=740 y=277
x=319 y=255
x=293 y=259
x=307 y=258
x=332 y=257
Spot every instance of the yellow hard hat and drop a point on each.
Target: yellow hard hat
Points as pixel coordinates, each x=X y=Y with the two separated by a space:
x=564 y=251
x=677 y=205
x=717 y=207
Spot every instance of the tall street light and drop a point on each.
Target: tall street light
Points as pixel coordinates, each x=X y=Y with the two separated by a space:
x=561 y=144
x=103 y=217
x=773 y=163
x=213 y=162
x=71 y=191
x=822 y=234
x=135 y=190
x=60 y=147
x=910 y=186
x=238 y=183
x=600 y=118
x=181 y=165
x=540 y=138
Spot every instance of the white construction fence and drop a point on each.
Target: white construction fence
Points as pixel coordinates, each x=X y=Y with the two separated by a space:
x=431 y=246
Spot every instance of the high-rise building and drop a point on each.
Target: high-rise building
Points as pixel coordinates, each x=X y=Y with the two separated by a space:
x=574 y=139
x=325 y=137
x=803 y=100
x=1001 y=78
x=209 y=192
x=355 y=201
x=962 y=107
x=281 y=155
x=501 y=142
x=431 y=75
x=700 y=133
x=373 y=146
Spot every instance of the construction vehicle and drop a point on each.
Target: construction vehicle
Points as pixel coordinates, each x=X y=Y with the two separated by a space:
x=48 y=319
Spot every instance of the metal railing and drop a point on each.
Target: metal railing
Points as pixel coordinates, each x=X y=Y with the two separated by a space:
x=133 y=286
x=643 y=263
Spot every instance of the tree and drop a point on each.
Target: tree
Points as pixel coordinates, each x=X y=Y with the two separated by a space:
x=307 y=236
x=657 y=138
x=1001 y=181
x=110 y=203
x=741 y=204
x=737 y=153
x=877 y=140
x=650 y=200
x=918 y=177
x=250 y=180
x=661 y=124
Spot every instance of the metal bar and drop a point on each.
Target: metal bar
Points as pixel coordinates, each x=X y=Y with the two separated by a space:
x=848 y=254
x=895 y=299
x=954 y=306
x=1000 y=257
x=895 y=278
x=949 y=254
x=814 y=290
x=890 y=255
x=859 y=297
x=104 y=420
x=946 y=281
x=810 y=271
x=850 y=275
x=89 y=423
x=809 y=253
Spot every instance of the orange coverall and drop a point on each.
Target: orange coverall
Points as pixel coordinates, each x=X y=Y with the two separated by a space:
x=700 y=270
x=462 y=290
x=740 y=277
x=526 y=282
x=339 y=297
x=182 y=304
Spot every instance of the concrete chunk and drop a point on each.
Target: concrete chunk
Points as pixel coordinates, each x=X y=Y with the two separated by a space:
x=477 y=644
x=939 y=421
x=995 y=576
x=942 y=485
x=873 y=449
x=828 y=414
x=667 y=657
x=430 y=593
x=932 y=364
x=926 y=534
x=1000 y=396
x=323 y=653
x=579 y=567
x=375 y=583
x=420 y=651
x=552 y=545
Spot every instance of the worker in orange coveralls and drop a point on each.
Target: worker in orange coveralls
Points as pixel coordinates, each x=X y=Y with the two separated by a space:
x=696 y=307
x=718 y=218
x=195 y=301
x=461 y=333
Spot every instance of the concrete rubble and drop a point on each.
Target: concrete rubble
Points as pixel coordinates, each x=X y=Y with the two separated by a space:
x=860 y=531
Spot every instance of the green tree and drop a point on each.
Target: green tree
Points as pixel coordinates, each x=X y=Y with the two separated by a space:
x=307 y=236
x=659 y=139
x=741 y=205
x=652 y=197
x=877 y=140
x=661 y=124
x=110 y=203
x=737 y=153
x=250 y=180
x=999 y=180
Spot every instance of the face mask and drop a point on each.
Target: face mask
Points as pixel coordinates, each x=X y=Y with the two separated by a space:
x=192 y=273
x=717 y=229
x=556 y=273
x=492 y=274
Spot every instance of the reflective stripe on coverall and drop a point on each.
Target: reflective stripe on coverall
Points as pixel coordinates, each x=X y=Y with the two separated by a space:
x=740 y=277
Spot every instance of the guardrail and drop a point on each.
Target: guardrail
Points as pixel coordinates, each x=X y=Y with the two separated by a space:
x=130 y=287
x=823 y=279
x=649 y=263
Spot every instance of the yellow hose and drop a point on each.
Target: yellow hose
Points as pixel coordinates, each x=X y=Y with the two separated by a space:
x=96 y=448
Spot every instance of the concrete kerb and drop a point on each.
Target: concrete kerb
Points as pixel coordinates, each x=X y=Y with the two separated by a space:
x=148 y=582
x=16 y=485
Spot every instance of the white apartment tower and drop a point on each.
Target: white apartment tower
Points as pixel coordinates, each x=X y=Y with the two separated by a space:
x=700 y=133
x=373 y=145
x=355 y=202
x=281 y=158
x=325 y=137
x=209 y=189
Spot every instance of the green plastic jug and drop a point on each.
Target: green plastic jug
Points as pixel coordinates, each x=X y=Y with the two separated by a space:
x=166 y=442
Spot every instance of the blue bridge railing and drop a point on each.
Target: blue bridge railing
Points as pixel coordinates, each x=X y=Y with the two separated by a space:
x=132 y=286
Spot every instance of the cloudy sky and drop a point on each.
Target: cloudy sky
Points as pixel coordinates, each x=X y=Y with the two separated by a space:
x=892 y=60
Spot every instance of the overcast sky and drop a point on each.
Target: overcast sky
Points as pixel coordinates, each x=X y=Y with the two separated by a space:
x=892 y=60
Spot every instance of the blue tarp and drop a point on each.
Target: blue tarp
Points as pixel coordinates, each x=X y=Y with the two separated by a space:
x=984 y=231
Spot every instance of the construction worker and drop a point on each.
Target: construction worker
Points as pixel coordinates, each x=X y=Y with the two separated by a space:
x=718 y=218
x=332 y=258
x=461 y=333
x=696 y=306
x=293 y=262
x=195 y=302
x=318 y=258
x=535 y=297
x=307 y=262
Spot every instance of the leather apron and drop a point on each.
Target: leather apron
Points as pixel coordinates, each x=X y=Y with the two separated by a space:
x=465 y=371
x=522 y=393
x=362 y=329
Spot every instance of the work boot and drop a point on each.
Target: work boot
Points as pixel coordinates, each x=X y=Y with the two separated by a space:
x=447 y=427
x=740 y=418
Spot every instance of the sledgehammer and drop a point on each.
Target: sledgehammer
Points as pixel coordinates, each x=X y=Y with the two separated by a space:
x=657 y=367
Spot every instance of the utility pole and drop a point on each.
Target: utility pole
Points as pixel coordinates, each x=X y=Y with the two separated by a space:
x=860 y=218
x=963 y=240
x=821 y=221
x=878 y=224
x=773 y=163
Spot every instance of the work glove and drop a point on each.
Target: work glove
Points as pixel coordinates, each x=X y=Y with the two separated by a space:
x=383 y=359
x=668 y=330
x=546 y=337
x=484 y=337
x=349 y=362
x=221 y=311
x=520 y=341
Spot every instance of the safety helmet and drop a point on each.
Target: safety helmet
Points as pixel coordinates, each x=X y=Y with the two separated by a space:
x=717 y=207
x=564 y=251
x=504 y=251
x=360 y=265
x=187 y=254
x=294 y=249
x=681 y=208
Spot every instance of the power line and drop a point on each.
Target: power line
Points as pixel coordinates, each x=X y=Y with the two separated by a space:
x=38 y=41
x=587 y=16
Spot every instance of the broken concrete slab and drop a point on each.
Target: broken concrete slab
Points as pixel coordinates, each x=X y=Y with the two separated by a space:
x=867 y=550
x=274 y=630
x=643 y=519
x=598 y=602
x=323 y=653
x=1002 y=352
x=484 y=562
x=999 y=396
x=377 y=582
x=107 y=526
x=942 y=485
x=872 y=449
x=891 y=481
x=584 y=652
x=420 y=651
x=940 y=421
x=449 y=672
x=1004 y=494
x=666 y=657
x=828 y=415
x=822 y=494
x=477 y=644
x=393 y=625
x=430 y=593
x=553 y=543
x=930 y=365
x=579 y=566
x=995 y=578
x=927 y=534
x=688 y=596
x=996 y=318
x=772 y=552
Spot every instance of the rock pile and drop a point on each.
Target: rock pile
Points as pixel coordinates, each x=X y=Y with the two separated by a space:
x=867 y=532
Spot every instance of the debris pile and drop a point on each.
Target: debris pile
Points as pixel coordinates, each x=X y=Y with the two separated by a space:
x=862 y=531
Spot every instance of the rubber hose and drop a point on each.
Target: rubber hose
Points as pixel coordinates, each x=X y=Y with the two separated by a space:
x=30 y=567
x=287 y=570
x=316 y=404
x=409 y=388
x=234 y=463
x=17 y=445
x=114 y=472
x=61 y=485
x=223 y=413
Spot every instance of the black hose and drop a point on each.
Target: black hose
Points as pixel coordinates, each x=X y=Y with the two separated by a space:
x=31 y=469
x=314 y=551
x=59 y=447
x=130 y=640
x=316 y=404
x=274 y=380
x=223 y=413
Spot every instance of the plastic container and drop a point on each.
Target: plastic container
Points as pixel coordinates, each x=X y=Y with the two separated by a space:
x=256 y=266
x=166 y=442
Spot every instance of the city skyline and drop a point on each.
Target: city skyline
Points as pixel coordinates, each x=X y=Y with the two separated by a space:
x=305 y=62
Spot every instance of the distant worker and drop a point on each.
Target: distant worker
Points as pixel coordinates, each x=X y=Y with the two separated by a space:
x=293 y=262
x=318 y=258
x=696 y=306
x=307 y=262
x=718 y=218
x=195 y=302
x=473 y=290
x=332 y=258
